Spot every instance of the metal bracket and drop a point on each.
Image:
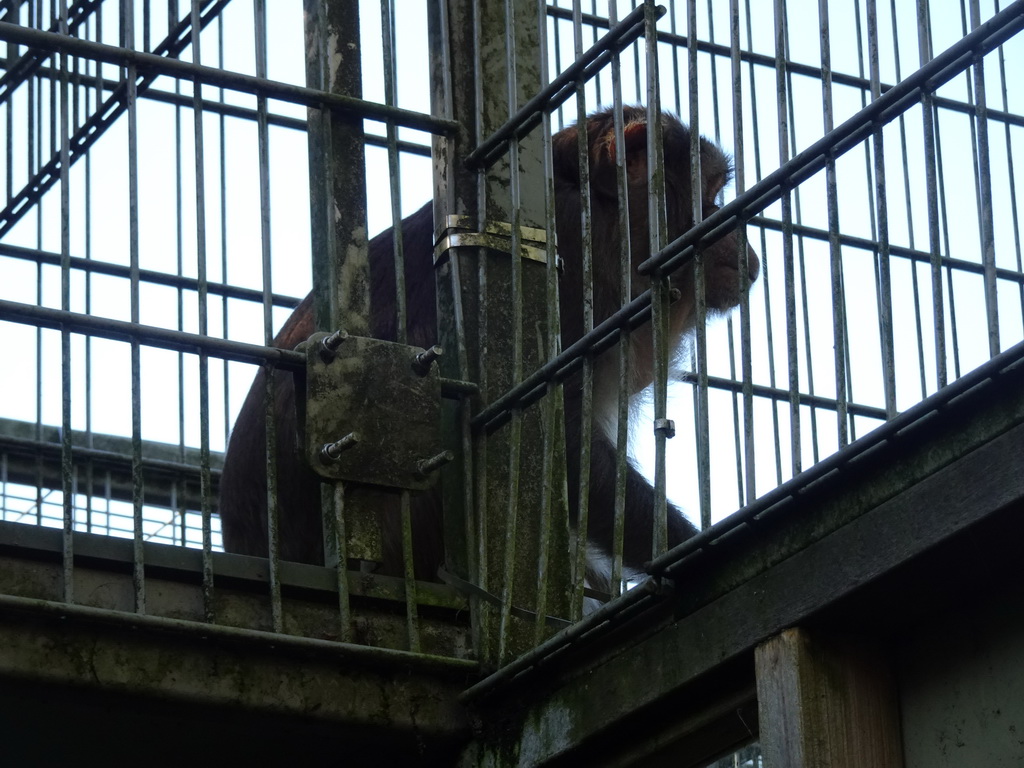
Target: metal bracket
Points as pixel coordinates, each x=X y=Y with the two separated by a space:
x=496 y=235
x=373 y=411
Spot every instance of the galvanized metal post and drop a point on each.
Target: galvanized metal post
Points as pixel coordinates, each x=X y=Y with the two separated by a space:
x=490 y=64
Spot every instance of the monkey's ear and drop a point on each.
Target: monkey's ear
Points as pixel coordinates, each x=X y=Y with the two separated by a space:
x=603 y=156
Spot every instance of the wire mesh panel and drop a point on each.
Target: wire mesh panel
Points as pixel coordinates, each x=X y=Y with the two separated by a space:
x=643 y=331
x=156 y=235
x=679 y=262
x=855 y=225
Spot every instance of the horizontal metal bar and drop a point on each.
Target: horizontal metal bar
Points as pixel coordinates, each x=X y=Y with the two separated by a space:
x=170 y=485
x=94 y=266
x=153 y=64
x=21 y=437
x=559 y=89
x=230 y=110
x=784 y=395
x=120 y=330
x=840 y=140
x=160 y=95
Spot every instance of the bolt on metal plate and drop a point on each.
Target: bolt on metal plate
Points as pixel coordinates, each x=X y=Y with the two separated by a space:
x=373 y=412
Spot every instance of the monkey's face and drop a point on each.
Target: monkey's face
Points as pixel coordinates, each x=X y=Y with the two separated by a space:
x=727 y=277
x=729 y=271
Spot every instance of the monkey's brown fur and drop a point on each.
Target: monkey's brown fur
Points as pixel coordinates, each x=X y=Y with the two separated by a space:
x=243 y=482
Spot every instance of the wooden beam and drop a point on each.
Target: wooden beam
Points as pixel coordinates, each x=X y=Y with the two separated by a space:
x=826 y=701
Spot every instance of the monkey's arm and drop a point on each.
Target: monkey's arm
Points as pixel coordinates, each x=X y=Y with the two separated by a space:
x=639 y=511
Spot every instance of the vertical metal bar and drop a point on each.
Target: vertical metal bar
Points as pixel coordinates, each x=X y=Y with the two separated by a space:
x=179 y=506
x=741 y=238
x=909 y=201
x=930 y=160
x=260 y=40
x=138 y=496
x=52 y=148
x=1014 y=209
x=390 y=76
x=88 y=361
x=223 y=194
x=180 y=262
x=222 y=198
x=67 y=466
x=624 y=345
x=781 y=69
x=587 y=394
x=872 y=207
x=593 y=40
x=835 y=249
x=205 y=477
x=411 y=613
x=556 y=48
x=515 y=438
x=658 y=223
x=676 y=93
x=801 y=266
x=515 y=428
x=345 y=631
x=34 y=154
x=485 y=646
x=882 y=254
x=944 y=227
x=553 y=415
x=273 y=539
x=944 y=220
x=765 y=265
x=741 y=257
x=984 y=181
x=12 y=50
x=700 y=296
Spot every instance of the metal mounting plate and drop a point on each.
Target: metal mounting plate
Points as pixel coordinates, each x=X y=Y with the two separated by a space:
x=369 y=387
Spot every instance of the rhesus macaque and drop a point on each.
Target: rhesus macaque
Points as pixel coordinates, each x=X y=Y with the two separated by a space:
x=243 y=482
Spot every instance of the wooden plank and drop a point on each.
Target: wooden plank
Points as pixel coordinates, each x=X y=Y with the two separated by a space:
x=826 y=701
